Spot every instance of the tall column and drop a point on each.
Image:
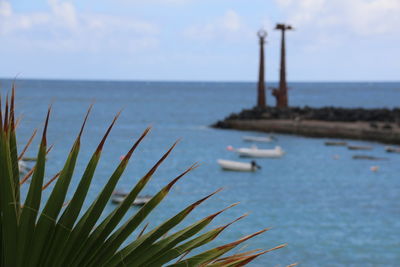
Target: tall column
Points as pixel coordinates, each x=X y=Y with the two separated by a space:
x=261 y=98
x=282 y=99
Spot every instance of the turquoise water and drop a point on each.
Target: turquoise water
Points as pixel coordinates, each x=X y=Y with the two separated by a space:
x=331 y=212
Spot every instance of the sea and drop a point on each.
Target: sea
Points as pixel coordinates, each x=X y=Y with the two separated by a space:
x=330 y=209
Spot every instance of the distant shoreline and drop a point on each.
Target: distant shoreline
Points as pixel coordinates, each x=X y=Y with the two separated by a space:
x=382 y=125
x=270 y=85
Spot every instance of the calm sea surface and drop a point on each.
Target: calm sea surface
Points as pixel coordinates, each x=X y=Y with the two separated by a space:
x=331 y=212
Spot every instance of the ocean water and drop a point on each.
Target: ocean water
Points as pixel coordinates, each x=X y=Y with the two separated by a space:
x=330 y=209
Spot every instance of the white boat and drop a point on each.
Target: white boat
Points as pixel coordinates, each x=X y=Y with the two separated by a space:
x=254 y=152
x=139 y=201
x=262 y=139
x=119 y=193
x=22 y=167
x=238 y=166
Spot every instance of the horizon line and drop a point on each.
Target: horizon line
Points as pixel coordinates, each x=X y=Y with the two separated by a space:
x=193 y=81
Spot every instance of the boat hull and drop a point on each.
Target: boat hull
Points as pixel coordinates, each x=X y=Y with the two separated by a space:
x=229 y=165
x=392 y=149
x=139 y=201
x=259 y=153
x=359 y=147
x=257 y=139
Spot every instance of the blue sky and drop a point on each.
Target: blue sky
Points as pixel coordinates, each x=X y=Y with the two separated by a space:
x=202 y=40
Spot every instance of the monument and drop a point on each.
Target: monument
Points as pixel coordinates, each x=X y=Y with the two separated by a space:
x=281 y=94
x=261 y=98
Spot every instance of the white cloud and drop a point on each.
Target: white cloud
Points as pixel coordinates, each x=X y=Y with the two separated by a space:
x=5 y=9
x=361 y=17
x=64 y=28
x=65 y=13
x=375 y=17
x=229 y=26
x=11 y=22
x=175 y=2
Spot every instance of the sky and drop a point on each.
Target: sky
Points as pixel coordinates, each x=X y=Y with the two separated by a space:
x=199 y=40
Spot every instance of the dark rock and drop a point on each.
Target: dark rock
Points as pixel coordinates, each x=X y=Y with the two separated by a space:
x=324 y=114
x=387 y=126
x=373 y=125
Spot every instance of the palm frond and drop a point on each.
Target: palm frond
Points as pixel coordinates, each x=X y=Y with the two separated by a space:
x=58 y=235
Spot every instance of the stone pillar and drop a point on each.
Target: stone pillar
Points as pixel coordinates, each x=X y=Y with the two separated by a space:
x=281 y=94
x=261 y=98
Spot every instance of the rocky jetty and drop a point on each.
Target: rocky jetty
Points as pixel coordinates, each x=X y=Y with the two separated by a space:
x=323 y=114
x=354 y=123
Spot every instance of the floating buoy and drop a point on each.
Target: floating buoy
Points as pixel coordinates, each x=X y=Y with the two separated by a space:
x=336 y=156
x=374 y=168
x=229 y=148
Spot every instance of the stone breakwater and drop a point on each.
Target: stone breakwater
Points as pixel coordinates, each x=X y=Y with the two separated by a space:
x=382 y=125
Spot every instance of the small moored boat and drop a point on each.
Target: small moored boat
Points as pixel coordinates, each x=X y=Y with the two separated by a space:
x=335 y=143
x=392 y=149
x=352 y=147
x=119 y=193
x=367 y=157
x=230 y=165
x=261 y=139
x=254 y=152
x=23 y=167
x=139 y=201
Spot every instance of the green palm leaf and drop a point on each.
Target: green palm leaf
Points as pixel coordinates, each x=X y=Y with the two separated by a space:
x=71 y=213
x=53 y=236
x=108 y=225
x=32 y=202
x=8 y=202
